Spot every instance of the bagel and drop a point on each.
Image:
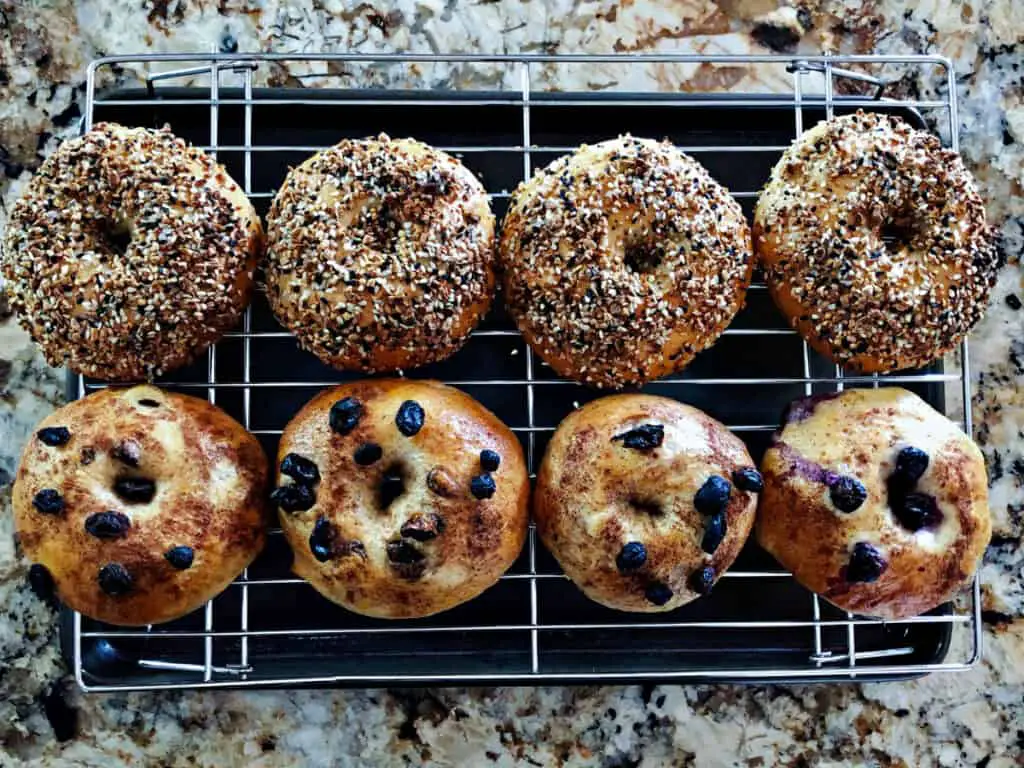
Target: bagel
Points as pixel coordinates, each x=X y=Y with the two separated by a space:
x=875 y=501
x=140 y=504
x=400 y=498
x=129 y=253
x=644 y=501
x=874 y=243
x=381 y=254
x=622 y=261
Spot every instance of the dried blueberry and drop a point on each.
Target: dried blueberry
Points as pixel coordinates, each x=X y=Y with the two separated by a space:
x=441 y=483
x=702 y=580
x=714 y=533
x=847 y=493
x=642 y=438
x=179 y=557
x=127 y=452
x=107 y=525
x=482 y=486
x=326 y=544
x=54 y=436
x=300 y=469
x=345 y=415
x=748 y=479
x=48 y=501
x=408 y=562
x=367 y=454
x=916 y=511
x=409 y=418
x=489 y=461
x=294 y=497
x=911 y=463
x=658 y=593
x=115 y=580
x=40 y=581
x=866 y=564
x=632 y=556
x=423 y=527
x=392 y=485
x=321 y=540
x=403 y=552
x=87 y=456
x=713 y=496
x=136 y=490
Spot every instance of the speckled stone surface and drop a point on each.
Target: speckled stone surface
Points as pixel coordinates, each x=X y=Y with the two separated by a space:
x=976 y=718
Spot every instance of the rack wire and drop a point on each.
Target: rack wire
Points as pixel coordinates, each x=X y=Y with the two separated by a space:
x=221 y=647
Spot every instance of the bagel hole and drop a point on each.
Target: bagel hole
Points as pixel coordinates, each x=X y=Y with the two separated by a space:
x=384 y=227
x=898 y=233
x=392 y=485
x=118 y=236
x=643 y=257
x=645 y=506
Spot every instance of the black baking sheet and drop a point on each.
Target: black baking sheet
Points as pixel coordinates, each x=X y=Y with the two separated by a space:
x=608 y=654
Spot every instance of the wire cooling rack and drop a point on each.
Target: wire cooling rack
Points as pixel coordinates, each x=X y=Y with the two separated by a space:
x=270 y=628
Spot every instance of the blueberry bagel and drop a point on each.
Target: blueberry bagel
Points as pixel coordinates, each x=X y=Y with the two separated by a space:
x=623 y=260
x=380 y=254
x=129 y=253
x=644 y=501
x=400 y=498
x=140 y=504
x=875 y=501
x=874 y=243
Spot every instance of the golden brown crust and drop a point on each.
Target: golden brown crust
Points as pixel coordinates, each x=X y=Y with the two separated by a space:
x=623 y=260
x=595 y=494
x=129 y=253
x=463 y=543
x=859 y=434
x=874 y=243
x=380 y=254
x=210 y=480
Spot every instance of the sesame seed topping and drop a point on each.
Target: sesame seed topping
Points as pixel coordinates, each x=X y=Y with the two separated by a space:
x=874 y=237
x=380 y=254
x=121 y=255
x=623 y=260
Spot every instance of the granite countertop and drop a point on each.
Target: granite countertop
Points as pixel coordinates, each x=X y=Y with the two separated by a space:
x=974 y=718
